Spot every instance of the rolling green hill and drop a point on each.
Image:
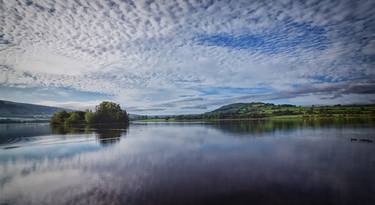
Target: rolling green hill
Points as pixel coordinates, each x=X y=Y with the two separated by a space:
x=269 y=110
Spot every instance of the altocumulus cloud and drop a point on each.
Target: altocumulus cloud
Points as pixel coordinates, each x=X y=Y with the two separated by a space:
x=191 y=56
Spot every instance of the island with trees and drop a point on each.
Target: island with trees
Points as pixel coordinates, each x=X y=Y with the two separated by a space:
x=106 y=113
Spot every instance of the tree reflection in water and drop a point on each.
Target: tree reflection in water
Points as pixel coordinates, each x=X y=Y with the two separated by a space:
x=264 y=126
x=63 y=130
x=105 y=134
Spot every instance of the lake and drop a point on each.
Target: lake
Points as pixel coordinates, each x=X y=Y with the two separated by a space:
x=242 y=162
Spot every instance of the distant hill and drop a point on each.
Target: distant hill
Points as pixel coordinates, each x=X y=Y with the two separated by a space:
x=239 y=108
x=267 y=110
x=259 y=109
x=136 y=117
x=15 y=109
x=256 y=108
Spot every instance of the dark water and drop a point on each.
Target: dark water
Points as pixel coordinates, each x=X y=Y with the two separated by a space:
x=254 y=162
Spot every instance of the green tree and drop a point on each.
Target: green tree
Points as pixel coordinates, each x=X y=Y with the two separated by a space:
x=89 y=117
x=74 y=118
x=59 y=118
x=107 y=112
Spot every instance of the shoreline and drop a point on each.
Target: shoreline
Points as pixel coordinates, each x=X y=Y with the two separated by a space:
x=283 y=117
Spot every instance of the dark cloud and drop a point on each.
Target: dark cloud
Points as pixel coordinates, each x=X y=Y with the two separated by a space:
x=195 y=107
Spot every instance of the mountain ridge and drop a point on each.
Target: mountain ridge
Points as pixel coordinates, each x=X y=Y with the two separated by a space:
x=17 y=109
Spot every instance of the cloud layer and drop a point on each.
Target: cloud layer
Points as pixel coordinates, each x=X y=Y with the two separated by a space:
x=191 y=56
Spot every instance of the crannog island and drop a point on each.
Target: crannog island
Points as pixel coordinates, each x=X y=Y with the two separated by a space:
x=105 y=113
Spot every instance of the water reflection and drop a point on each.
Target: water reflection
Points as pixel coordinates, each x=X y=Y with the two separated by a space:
x=263 y=126
x=105 y=134
x=191 y=163
x=109 y=136
x=13 y=133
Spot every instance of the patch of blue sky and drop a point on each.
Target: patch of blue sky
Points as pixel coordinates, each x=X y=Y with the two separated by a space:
x=284 y=38
x=230 y=90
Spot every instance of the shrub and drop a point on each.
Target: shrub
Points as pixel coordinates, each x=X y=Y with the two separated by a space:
x=59 y=117
x=89 y=117
x=74 y=118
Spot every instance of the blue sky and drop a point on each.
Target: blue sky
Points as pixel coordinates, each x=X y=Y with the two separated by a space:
x=173 y=57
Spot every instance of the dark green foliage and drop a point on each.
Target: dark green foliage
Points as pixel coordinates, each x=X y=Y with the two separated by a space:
x=73 y=119
x=89 y=117
x=67 y=118
x=106 y=112
x=59 y=117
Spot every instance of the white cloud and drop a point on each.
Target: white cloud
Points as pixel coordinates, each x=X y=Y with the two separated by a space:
x=75 y=105
x=147 y=54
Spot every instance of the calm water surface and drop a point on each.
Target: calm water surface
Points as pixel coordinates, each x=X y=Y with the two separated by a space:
x=253 y=162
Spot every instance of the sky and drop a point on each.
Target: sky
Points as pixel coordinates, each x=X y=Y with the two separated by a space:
x=181 y=57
